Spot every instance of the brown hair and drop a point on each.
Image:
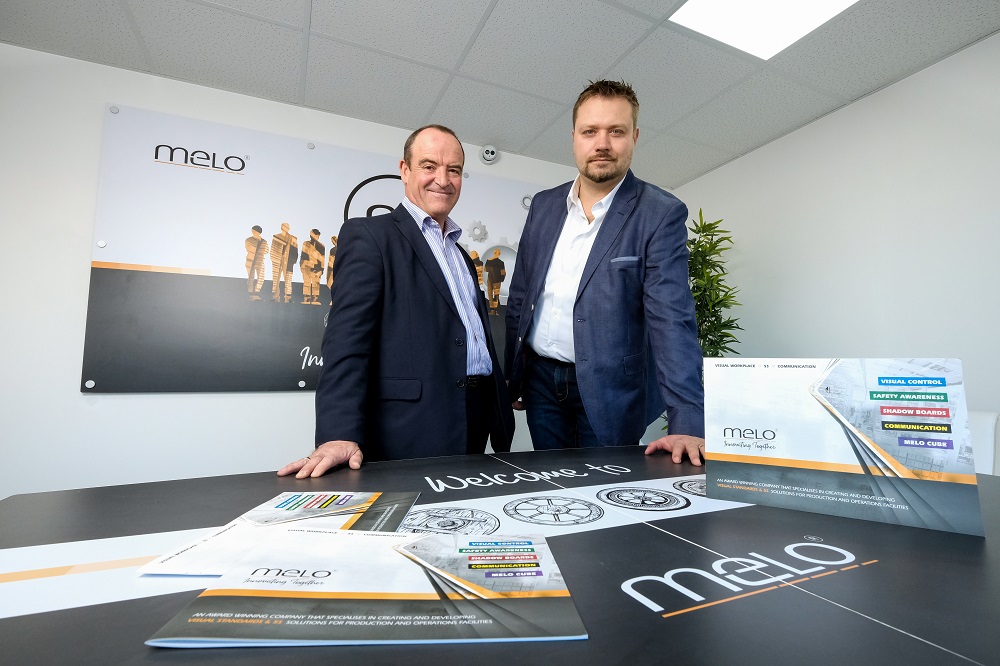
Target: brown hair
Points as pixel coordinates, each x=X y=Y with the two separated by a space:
x=610 y=89
x=408 y=146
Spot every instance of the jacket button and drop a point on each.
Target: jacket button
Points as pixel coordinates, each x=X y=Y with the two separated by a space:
x=460 y=383
x=459 y=341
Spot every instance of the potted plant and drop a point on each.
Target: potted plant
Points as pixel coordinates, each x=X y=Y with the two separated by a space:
x=712 y=296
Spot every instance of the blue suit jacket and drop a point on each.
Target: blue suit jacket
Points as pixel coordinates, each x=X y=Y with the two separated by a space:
x=634 y=329
x=394 y=356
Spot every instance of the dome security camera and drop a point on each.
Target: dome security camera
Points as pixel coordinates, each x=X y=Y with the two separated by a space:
x=489 y=155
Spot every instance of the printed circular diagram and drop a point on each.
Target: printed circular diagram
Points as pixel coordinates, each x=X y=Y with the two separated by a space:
x=450 y=520
x=373 y=196
x=553 y=511
x=644 y=499
x=691 y=487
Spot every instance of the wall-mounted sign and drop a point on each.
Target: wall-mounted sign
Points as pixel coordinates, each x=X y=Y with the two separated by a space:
x=215 y=248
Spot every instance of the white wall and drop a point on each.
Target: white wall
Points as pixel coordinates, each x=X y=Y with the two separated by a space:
x=52 y=436
x=875 y=231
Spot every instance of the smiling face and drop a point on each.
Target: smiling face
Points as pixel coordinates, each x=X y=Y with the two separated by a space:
x=433 y=176
x=604 y=137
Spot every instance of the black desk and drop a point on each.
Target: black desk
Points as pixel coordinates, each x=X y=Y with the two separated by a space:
x=908 y=596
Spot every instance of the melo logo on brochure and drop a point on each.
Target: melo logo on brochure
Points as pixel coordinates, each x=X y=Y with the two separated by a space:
x=748 y=438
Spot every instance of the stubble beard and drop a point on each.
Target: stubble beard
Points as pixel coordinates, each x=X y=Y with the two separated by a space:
x=603 y=174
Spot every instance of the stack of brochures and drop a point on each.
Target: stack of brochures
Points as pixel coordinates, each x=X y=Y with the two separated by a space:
x=287 y=581
x=214 y=554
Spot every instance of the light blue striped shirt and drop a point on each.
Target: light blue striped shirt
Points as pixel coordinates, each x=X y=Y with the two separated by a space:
x=460 y=283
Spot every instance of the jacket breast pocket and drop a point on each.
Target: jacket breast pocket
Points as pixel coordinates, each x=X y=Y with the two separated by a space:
x=626 y=275
x=625 y=265
x=399 y=389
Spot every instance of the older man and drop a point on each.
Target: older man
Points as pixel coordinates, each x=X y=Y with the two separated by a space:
x=409 y=366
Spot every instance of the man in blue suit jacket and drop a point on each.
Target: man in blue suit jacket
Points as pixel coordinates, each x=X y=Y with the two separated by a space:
x=409 y=365
x=601 y=332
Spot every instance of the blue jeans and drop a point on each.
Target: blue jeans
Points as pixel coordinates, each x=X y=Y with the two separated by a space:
x=553 y=406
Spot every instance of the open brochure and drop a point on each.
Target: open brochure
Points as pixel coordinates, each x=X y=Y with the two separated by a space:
x=216 y=553
x=318 y=587
x=882 y=439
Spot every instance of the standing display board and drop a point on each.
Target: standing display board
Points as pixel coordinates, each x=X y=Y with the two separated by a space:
x=877 y=439
x=215 y=249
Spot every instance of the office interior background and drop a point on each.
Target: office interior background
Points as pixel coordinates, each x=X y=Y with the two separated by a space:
x=857 y=171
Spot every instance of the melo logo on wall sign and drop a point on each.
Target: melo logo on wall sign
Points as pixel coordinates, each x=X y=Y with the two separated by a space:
x=200 y=159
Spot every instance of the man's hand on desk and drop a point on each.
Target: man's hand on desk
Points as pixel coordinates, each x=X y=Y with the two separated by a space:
x=324 y=458
x=678 y=445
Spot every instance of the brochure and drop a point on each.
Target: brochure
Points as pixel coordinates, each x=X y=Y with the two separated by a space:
x=877 y=439
x=330 y=587
x=216 y=553
x=297 y=506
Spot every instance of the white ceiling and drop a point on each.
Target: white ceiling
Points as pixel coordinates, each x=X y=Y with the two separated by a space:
x=506 y=72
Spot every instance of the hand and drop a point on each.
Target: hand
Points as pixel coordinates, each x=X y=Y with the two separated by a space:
x=324 y=458
x=678 y=445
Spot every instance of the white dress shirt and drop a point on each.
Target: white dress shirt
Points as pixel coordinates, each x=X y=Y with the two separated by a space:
x=464 y=290
x=551 y=333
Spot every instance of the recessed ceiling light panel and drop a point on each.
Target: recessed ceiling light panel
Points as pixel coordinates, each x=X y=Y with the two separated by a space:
x=759 y=27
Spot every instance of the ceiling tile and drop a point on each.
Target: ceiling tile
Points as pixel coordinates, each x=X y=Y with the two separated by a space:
x=656 y=9
x=760 y=109
x=97 y=31
x=220 y=49
x=555 y=144
x=874 y=44
x=673 y=74
x=428 y=31
x=484 y=114
x=551 y=48
x=292 y=12
x=368 y=85
x=669 y=161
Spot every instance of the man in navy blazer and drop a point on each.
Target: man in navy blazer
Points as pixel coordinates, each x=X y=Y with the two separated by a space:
x=409 y=365
x=601 y=331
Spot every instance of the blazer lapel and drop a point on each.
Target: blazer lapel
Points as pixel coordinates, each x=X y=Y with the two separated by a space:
x=611 y=226
x=552 y=220
x=411 y=232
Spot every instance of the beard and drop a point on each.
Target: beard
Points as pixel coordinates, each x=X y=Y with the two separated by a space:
x=605 y=171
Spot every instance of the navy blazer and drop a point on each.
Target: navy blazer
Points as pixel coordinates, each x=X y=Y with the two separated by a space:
x=394 y=356
x=634 y=329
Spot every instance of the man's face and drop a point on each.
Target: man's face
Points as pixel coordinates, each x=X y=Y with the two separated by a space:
x=285 y=227
x=433 y=179
x=604 y=139
x=255 y=233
